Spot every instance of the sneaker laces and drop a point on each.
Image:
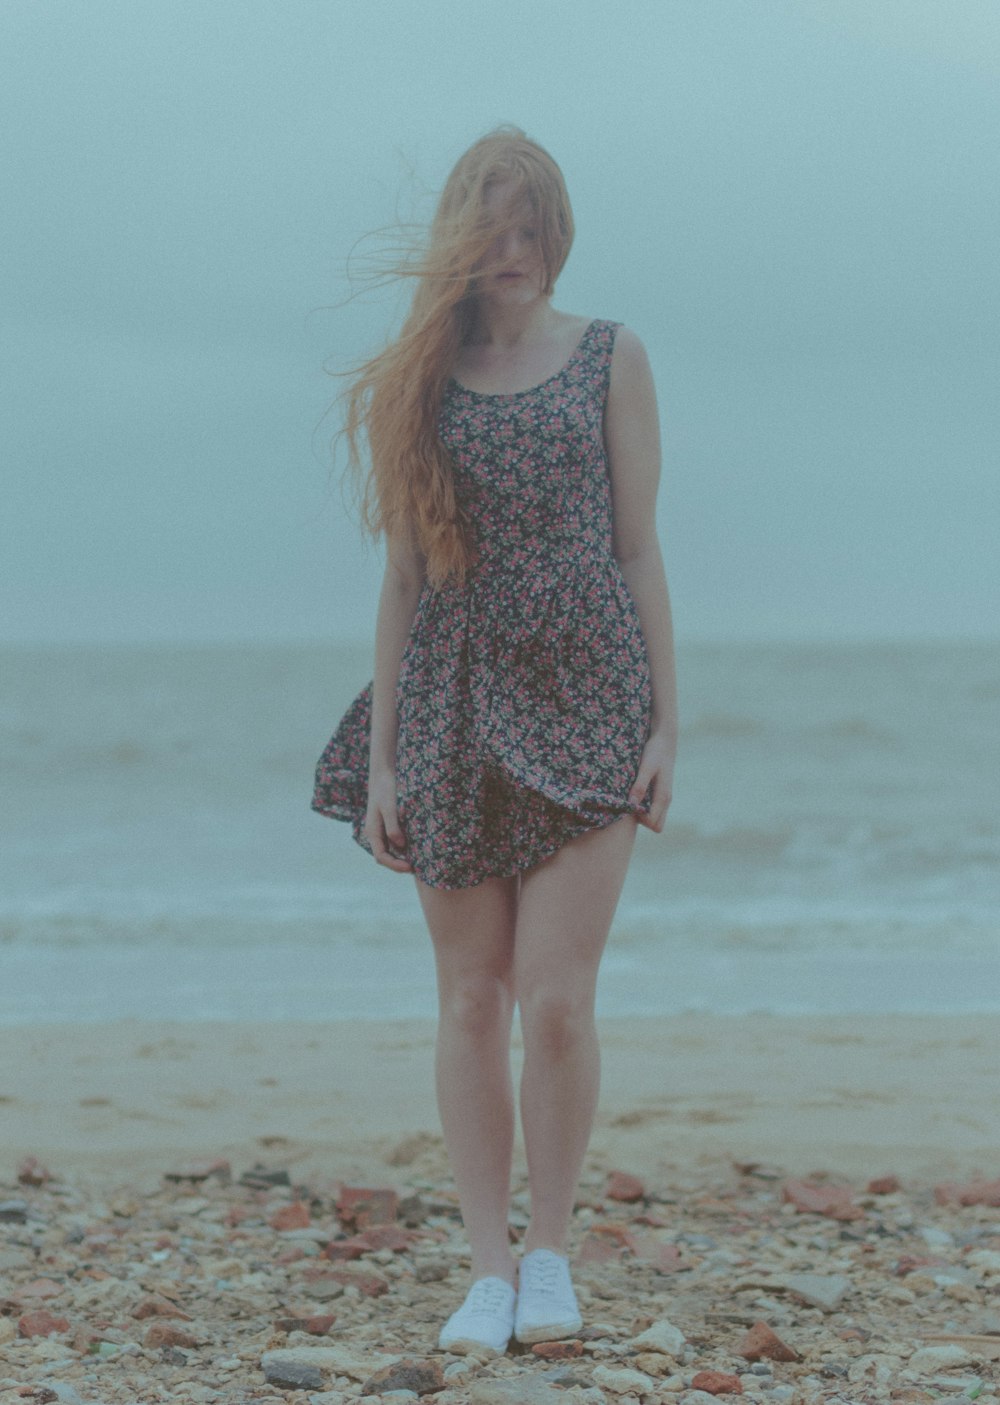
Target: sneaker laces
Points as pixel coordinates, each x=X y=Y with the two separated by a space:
x=489 y=1295
x=546 y=1277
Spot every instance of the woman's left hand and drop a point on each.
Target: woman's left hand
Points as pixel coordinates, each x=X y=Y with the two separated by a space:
x=656 y=767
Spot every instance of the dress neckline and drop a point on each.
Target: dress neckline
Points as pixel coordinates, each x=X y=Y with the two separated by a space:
x=513 y=394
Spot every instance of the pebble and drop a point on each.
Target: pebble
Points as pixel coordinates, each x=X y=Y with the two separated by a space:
x=826 y=1293
x=661 y=1336
x=939 y=1358
x=622 y=1380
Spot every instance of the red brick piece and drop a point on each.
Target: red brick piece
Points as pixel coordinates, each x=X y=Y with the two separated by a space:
x=368 y=1284
x=32 y=1172
x=760 y=1341
x=359 y=1207
x=810 y=1197
x=883 y=1185
x=294 y=1216
x=665 y=1258
x=558 y=1351
x=605 y=1243
x=716 y=1383
x=156 y=1306
x=41 y=1324
x=166 y=1334
x=624 y=1187
x=977 y=1192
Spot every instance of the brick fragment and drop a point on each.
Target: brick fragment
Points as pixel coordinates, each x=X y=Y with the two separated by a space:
x=558 y=1351
x=166 y=1334
x=761 y=1341
x=716 y=1383
x=359 y=1207
x=813 y=1197
x=624 y=1187
x=41 y=1324
x=294 y=1216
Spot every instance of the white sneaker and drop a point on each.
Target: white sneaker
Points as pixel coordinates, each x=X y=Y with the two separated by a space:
x=546 y=1304
x=485 y=1319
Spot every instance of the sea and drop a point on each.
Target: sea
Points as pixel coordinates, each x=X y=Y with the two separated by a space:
x=833 y=845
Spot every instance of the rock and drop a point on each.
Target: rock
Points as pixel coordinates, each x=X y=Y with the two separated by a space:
x=526 y=1390
x=662 y=1336
x=622 y=1380
x=986 y=1260
x=261 y=1177
x=939 y=1358
x=316 y=1326
x=975 y=1192
x=826 y=1292
x=297 y=1375
x=813 y=1197
x=389 y=1236
x=935 y=1238
x=624 y=1187
x=218 y=1169
x=332 y=1360
x=41 y=1324
x=883 y=1185
x=8 y=1330
x=663 y=1257
x=65 y=1393
x=431 y=1270
x=422 y=1377
x=346 y=1250
x=368 y=1283
x=166 y=1334
x=700 y=1397
x=654 y=1363
x=761 y=1341
x=717 y=1383
x=374 y=1240
x=156 y=1306
x=32 y=1172
x=13 y=1211
x=294 y=1216
x=358 y=1207
x=558 y=1351
x=40 y=1288
x=324 y=1288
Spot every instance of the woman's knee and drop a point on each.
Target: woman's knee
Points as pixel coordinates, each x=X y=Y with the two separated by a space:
x=555 y=1021
x=476 y=1004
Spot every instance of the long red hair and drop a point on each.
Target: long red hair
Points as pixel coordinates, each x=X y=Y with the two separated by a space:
x=393 y=403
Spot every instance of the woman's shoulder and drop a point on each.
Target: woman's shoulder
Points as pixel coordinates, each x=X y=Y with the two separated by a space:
x=629 y=354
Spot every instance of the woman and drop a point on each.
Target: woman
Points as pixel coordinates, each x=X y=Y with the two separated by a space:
x=522 y=719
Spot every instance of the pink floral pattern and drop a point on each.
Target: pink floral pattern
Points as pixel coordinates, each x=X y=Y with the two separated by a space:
x=524 y=694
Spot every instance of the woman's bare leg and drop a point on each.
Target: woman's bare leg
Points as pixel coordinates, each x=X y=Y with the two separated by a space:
x=473 y=934
x=564 y=914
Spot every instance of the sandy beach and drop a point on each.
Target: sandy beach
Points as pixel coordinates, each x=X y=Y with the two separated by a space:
x=800 y=1211
x=856 y=1096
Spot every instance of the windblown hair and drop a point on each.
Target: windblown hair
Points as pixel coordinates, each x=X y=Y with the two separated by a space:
x=393 y=403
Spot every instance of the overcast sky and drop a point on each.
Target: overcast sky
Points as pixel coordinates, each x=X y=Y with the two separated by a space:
x=795 y=203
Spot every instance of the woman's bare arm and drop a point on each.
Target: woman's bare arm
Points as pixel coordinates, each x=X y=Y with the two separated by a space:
x=401 y=587
x=632 y=438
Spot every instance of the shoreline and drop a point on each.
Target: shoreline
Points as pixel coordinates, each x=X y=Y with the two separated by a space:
x=858 y=1096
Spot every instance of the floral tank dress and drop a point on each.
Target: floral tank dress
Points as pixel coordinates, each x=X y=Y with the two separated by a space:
x=524 y=693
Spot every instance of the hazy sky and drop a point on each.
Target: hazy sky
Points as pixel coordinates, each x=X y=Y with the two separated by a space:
x=796 y=203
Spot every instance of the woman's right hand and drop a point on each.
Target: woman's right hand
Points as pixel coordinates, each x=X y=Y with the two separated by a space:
x=382 y=828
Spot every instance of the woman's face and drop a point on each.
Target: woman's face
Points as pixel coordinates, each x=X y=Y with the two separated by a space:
x=515 y=272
